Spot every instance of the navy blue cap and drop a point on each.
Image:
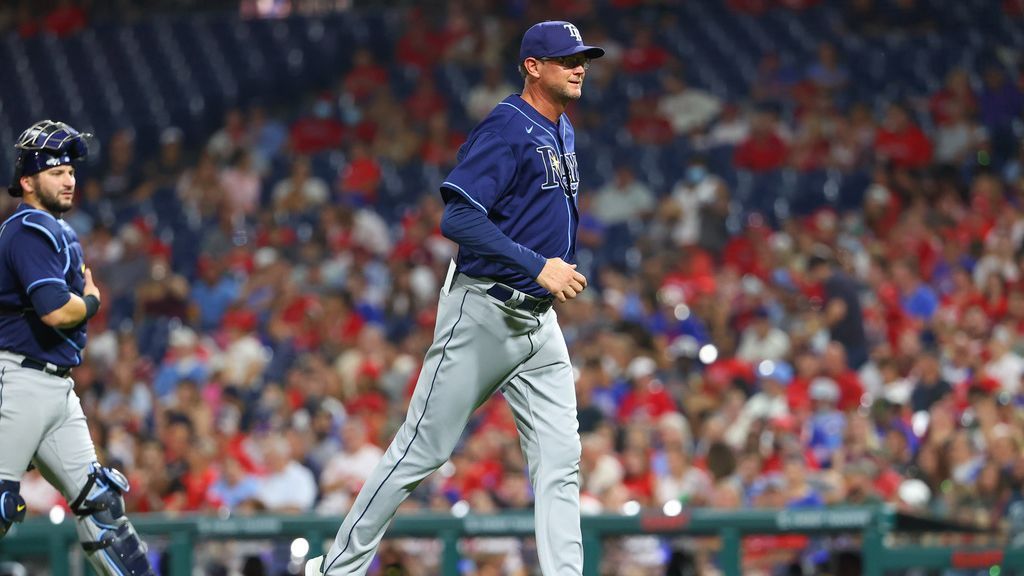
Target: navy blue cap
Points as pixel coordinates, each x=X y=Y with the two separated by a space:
x=553 y=39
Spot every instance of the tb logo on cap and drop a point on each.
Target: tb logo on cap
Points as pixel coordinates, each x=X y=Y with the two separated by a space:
x=573 y=31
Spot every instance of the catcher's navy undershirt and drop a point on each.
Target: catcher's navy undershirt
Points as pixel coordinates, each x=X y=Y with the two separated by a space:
x=519 y=170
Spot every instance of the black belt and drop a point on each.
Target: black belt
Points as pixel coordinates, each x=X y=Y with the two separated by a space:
x=59 y=371
x=530 y=304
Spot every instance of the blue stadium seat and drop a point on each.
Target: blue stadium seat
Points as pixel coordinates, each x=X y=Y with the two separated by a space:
x=851 y=190
x=186 y=70
x=809 y=194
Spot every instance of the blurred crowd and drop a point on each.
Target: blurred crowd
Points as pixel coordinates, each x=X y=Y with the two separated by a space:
x=258 y=353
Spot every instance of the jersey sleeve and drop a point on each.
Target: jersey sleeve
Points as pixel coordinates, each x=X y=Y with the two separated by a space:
x=37 y=264
x=484 y=173
x=472 y=230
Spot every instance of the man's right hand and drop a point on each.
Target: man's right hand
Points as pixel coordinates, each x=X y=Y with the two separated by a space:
x=90 y=286
x=561 y=279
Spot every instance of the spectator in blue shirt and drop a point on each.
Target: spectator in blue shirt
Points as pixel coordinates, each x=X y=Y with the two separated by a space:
x=235 y=488
x=212 y=294
x=918 y=299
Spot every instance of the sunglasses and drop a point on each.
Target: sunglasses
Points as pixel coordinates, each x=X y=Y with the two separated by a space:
x=569 y=62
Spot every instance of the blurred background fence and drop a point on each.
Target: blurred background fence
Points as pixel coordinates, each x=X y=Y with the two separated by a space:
x=876 y=527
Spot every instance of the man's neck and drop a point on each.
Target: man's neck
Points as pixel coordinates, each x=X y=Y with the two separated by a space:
x=543 y=103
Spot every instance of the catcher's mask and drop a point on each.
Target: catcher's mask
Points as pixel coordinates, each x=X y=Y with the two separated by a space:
x=44 y=145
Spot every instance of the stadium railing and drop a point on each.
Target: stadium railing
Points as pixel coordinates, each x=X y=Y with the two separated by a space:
x=875 y=525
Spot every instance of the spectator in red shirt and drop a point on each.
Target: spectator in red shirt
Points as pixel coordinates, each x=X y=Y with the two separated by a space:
x=425 y=101
x=638 y=477
x=882 y=208
x=441 y=143
x=339 y=323
x=361 y=177
x=798 y=4
x=65 y=19
x=812 y=147
x=749 y=7
x=26 y=21
x=808 y=366
x=900 y=141
x=316 y=132
x=458 y=37
x=1015 y=310
x=833 y=365
x=419 y=48
x=995 y=301
x=647 y=398
x=368 y=401
x=644 y=55
x=749 y=253
x=692 y=273
x=200 y=478
x=962 y=294
x=763 y=150
x=956 y=92
x=646 y=125
x=365 y=76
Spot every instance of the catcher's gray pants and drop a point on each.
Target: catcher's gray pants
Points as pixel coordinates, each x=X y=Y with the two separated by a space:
x=480 y=346
x=41 y=422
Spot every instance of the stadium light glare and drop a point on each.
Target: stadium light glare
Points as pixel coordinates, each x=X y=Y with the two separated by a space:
x=672 y=508
x=460 y=509
x=300 y=548
x=708 y=354
x=57 y=515
x=631 y=508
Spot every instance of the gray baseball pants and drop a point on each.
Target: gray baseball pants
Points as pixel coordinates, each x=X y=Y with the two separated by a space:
x=41 y=422
x=481 y=346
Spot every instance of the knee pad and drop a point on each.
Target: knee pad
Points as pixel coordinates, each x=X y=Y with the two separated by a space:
x=12 y=505
x=101 y=493
x=108 y=538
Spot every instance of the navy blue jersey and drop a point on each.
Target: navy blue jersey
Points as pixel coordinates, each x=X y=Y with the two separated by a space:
x=519 y=168
x=38 y=250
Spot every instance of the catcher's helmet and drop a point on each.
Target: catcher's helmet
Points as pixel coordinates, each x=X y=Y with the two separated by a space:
x=44 y=145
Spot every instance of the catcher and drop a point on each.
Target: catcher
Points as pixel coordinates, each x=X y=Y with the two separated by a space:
x=47 y=297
